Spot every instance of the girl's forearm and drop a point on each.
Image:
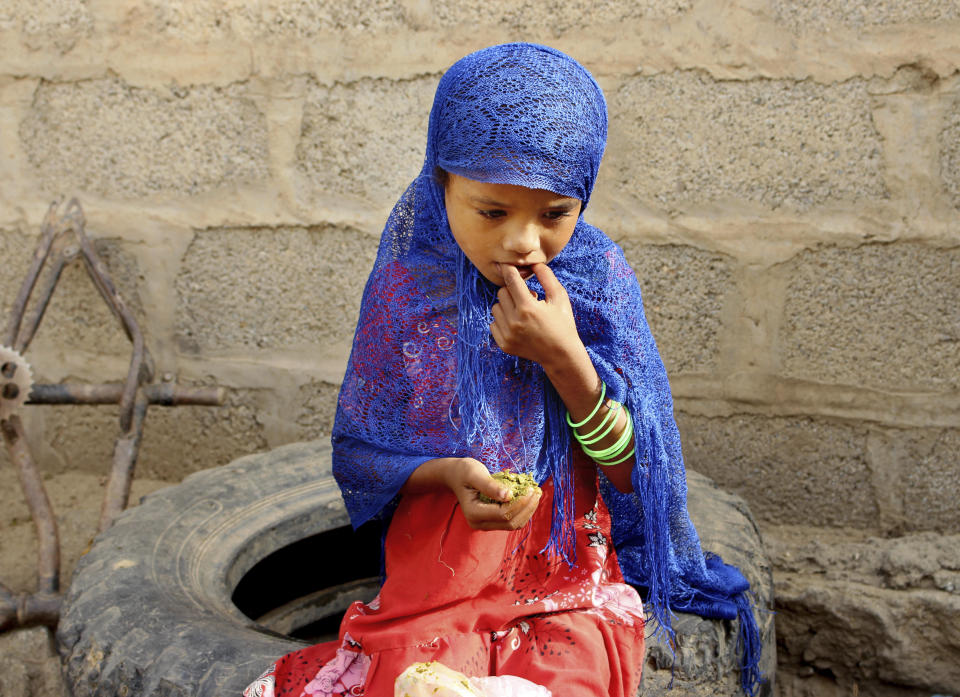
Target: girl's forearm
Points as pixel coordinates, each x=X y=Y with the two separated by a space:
x=432 y=474
x=576 y=381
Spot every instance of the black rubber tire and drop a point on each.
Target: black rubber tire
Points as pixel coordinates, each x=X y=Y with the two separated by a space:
x=705 y=662
x=150 y=611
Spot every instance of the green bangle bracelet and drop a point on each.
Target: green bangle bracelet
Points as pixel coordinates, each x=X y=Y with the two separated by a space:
x=605 y=457
x=615 y=449
x=589 y=439
x=622 y=459
x=603 y=393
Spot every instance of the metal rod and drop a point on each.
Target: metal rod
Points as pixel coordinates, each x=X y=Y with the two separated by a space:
x=39 y=257
x=135 y=377
x=124 y=458
x=164 y=394
x=45 y=290
x=141 y=367
x=48 y=540
x=26 y=610
x=101 y=278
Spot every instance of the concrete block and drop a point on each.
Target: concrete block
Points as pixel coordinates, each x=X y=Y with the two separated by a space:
x=207 y=19
x=181 y=440
x=76 y=498
x=559 y=15
x=683 y=293
x=272 y=287
x=885 y=316
x=16 y=249
x=813 y=16
x=29 y=666
x=14 y=677
x=685 y=138
x=929 y=482
x=42 y=23
x=344 y=147
x=107 y=137
x=18 y=543
x=790 y=470
x=949 y=141
x=71 y=438
x=315 y=418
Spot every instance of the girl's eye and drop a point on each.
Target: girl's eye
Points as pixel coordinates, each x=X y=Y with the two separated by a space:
x=492 y=213
x=556 y=215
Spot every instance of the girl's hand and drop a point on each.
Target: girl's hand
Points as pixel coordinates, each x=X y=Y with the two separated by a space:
x=543 y=331
x=470 y=479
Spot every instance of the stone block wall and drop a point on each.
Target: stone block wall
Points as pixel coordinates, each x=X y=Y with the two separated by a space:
x=784 y=177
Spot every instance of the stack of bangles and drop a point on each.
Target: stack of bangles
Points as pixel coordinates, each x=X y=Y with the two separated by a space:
x=614 y=454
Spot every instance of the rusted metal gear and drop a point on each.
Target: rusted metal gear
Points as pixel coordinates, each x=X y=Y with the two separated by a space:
x=16 y=381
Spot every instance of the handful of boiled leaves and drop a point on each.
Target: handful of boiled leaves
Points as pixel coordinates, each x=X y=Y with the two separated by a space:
x=516 y=483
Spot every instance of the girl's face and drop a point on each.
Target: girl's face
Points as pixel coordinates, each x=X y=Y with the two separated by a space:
x=500 y=224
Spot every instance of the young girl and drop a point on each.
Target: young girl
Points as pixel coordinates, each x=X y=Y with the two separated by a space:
x=501 y=332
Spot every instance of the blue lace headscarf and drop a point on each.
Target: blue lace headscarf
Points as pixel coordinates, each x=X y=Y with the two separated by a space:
x=426 y=380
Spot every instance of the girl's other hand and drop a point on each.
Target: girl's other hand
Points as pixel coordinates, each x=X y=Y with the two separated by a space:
x=471 y=479
x=543 y=331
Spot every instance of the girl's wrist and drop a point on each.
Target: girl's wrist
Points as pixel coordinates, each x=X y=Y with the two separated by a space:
x=571 y=366
x=441 y=472
x=454 y=474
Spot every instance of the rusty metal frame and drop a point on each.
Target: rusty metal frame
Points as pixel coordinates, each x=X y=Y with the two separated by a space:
x=62 y=240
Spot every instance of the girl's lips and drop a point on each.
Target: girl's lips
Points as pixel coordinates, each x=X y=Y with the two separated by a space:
x=525 y=270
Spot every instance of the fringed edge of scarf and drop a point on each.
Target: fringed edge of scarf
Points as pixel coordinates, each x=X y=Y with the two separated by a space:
x=473 y=337
x=652 y=474
x=749 y=644
x=557 y=453
x=651 y=483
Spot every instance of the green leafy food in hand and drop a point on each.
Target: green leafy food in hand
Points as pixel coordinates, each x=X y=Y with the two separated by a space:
x=517 y=484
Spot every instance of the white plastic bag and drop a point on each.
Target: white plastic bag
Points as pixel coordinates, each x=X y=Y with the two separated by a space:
x=434 y=679
x=509 y=686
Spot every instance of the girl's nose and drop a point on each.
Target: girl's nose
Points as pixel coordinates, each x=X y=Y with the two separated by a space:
x=522 y=238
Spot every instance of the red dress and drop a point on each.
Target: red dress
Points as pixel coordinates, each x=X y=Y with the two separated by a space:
x=483 y=603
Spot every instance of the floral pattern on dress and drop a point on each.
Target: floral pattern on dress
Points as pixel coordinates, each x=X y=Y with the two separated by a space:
x=589 y=587
x=590 y=520
x=344 y=674
x=262 y=686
